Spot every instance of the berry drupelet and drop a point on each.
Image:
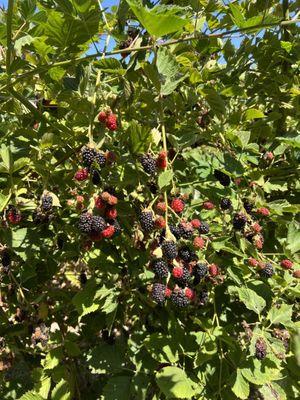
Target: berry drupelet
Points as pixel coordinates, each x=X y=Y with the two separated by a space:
x=225 y=204
x=88 y=155
x=160 y=268
x=146 y=221
x=179 y=299
x=203 y=228
x=199 y=272
x=98 y=224
x=169 y=249
x=223 y=178
x=148 y=163
x=186 y=254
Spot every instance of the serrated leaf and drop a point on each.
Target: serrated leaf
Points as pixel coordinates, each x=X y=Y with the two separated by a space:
x=21 y=163
x=165 y=178
x=61 y=391
x=117 y=387
x=31 y=396
x=253 y=113
x=4 y=199
x=241 y=387
x=139 y=137
x=293 y=238
x=18 y=237
x=110 y=65
x=251 y=300
x=174 y=383
x=53 y=358
x=6 y=157
x=106 y=358
x=281 y=315
x=166 y=63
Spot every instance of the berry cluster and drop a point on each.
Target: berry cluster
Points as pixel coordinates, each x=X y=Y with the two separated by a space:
x=43 y=214
x=151 y=165
x=102 y=222
x=109 y=119
x=13 y=215
x=93 y=161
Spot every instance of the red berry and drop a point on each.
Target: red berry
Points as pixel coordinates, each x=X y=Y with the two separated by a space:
x=81 y=174
x=14 y=216
x=177 y=205
x=79 y=199
x=102 y=116
x=256 y=227
x=177 y=272
x=189 y=293
x=199 y=242
x=108 y=232
x=112 y=200
x=263 y=211
x=252 y=262
x=161 y=206
x=208 y=205
x=296 y=273
x=111 y=157
x=111 y=122
x=99 y=203
x=213 y=270
x=238 y=181
x=161 y=161
x=269 y=156
x=286 y=264
x=111 y=213
x=160 y=222
x=168 y=292
x=259 y=242
x=196 y=223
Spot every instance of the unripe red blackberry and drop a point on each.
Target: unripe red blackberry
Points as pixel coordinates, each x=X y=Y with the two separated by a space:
x=146 y=221
x=148 y=164
x=269 y=156
x=208 y=205
x=160 y=268
x=225 y=204
x=189 y=293
x=179 y=299
x=99 y=203
x=267 y=271
x=108 y=232
x=200 y=271
x=98 y=224
x=223 y=178
x=87 y=154
x=177 y=205
x=239 y=221
x=263 y=211
x=85 y=223
x=160 y=222
x=260 y=349
x=256 y=227
x=161 y=207
x=213 y=270
x=102 y=116
x=111 y=122
x=169 y=249
x=47 y=202
x=199 y=243
x=159 y=293
x=81 y=175
x=181 y=275
x=259 y=242
x=186 y=254
x=161 y=161
x=296 y=274
x=196 y=223
x=252 y=262
x=111 y=213
x=203 y=228
x=13 y=215
x=286 y=264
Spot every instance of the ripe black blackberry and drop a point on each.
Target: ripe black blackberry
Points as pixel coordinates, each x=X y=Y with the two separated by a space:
x=100 y=159
x=203 y=228
x=146 y=221
x=200 y=271
x=239 y=221
x=85 y=223
x=267 y=271
x=248 y=206
x=159 y=293
x=83 y=278
x=160 y=268
x=260 y=349
x=38 y=217
x=203 y=297
x=148 y=164
x=169 y=249
x=98 y=224
x=96 y=178
x=152 y=187
x=186 y=254
x=185 y=279
x=5 y=258
x=47 y=202
x=88 y=155
x=186 y=230
x=179 y=299
x=225 y=203
x=223 y=178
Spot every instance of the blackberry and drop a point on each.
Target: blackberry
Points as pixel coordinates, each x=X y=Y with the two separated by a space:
x=248 y=206
x=47 y=202
x=260 y=349
x=175 y=230
x=200 y=271
x=152 y=187
x=85 y=223
x=184 y=279
x=239 y=221
x=186 y=230
x=203 y=297
x=169 y=249
x=203 y=228
x=100 y=159
x=5 y=258
x=88 y=155
x=40 y=218
x=96 y=178
x=179 y=299
x=160 y=268
x=223 y=178
x=186 y=254
x=159 y=293
x=267 y=271
x=146 y=221
x=83 y=278
x=225 y=203
x=148 y=164
x=98 y=224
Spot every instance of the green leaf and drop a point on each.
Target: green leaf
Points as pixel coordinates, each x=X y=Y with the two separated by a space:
x=53 y=358
x=158 y=21
x=61 y=391
x=174 y=383
x=237 y=15
x=166 y=63
x=253 y=113
x=251 y=300
x=31 y=396
x=18 y=237
x=4 y=199
x=215 y=101
x=139 y=137
x=293 y=238
x=84 y=300
x=106 y=358
x=281 y=315
x=241 y=387
x=111 y=66
x=165 y=178
x=6 y=157
x=117 y=387
x=21 y=163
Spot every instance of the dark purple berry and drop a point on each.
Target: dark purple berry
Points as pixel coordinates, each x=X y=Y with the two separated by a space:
x=260 y=349
x=225 y=204
x=98 y=224
x=186 y=254
x=88 y=155
x=223 y=178
x=179 y=299
x=267 y=271
x=169 y=249
x=85 y=223
x=148 y=164
x=160 y=268
x=200 y=271
x=146 y=221
x=159 y=293
x=203 y=228
x=47 y=202
x=239 y=221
